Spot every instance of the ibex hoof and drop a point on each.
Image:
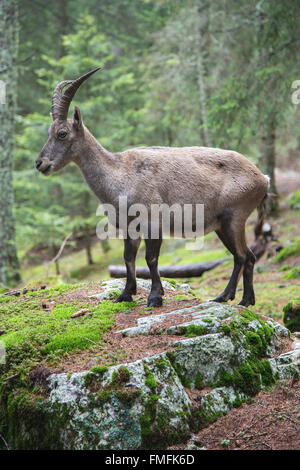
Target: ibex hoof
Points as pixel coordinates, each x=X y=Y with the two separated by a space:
x=124 y=297
x=154 y=301
x=246 y=302
x=222 y=298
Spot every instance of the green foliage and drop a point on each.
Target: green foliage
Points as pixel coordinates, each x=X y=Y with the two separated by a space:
x=295 y=198
x=292 y=249
x=293 y=274
x=291 y=315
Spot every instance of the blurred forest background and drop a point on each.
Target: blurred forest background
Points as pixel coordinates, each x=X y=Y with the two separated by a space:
x=175 y=73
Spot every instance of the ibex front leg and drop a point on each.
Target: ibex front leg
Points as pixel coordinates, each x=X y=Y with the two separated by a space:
x=130 y=250
x=152 y=254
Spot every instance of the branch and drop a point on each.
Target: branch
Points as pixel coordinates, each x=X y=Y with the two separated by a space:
x=234 y=28
x=293 y=39
x=59 y=252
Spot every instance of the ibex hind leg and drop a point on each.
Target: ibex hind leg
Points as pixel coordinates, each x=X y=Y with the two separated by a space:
x=152 y=255
x=130 y=251
x=232 y=234
x=248 y=295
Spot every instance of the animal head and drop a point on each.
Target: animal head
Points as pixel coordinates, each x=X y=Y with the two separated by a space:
x=65 y=136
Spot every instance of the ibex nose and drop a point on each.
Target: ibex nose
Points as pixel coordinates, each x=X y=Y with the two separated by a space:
x=38 y=163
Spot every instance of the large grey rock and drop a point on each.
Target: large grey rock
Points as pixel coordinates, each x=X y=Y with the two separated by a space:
x=146 y=403
x=118 y=423
x=208 y=315
x=113 y=287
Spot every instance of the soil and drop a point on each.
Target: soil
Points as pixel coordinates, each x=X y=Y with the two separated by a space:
x=270 y=422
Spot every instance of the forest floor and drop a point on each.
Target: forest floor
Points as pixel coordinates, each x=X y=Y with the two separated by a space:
x=270 y=422
x=42 y=319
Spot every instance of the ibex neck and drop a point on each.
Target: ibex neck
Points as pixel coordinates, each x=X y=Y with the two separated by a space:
x=99 y=168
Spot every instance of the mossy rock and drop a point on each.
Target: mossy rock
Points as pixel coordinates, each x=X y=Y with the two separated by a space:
x=291 y=315
x=143 y=404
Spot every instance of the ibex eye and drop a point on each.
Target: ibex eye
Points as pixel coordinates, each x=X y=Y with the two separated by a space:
x=62 y=134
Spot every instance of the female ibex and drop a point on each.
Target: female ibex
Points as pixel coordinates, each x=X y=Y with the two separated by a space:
x=229 y=186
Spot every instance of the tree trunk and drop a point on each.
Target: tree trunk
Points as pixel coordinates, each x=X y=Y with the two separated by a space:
x=180 y=271
x=88 y=247
x=54 y=251
x=202 y=25
x=105 y=245
x=62 y=19
x=9 y=266
x=267 y=159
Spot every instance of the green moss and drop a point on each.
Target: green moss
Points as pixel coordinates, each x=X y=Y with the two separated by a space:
x=259 y=340
x=183 y=378
x=116 y=389
x=33 y=334
x=226 y=329
x=161 y=364
x=237 y=402
x=291 y=315
x=181 y=297
x=184 y=256
x=293 y=274
x=114 y=293
x=173 y=282
x=52 y=292
x=171 y=356
x=104 y=396
x=201 y=418
x=127 y=397
x=148 y=418
x=120 y=376
x=6 y=298
x=285 y=267
x=27 y=422
x=100 y=370
x=293 y=249
x=150 y=380
x=156 y=431
x=295 y=199
x=249 y=377
x=198 y=381
x=255 y=373
x=93 y=378
x=194 y=330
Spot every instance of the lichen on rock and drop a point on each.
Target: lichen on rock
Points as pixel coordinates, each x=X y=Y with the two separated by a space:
x=150 y=403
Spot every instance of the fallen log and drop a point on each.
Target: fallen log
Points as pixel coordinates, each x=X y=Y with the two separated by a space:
x=183 y=270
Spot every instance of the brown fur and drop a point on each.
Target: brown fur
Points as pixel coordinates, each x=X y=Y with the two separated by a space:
x=229 y=186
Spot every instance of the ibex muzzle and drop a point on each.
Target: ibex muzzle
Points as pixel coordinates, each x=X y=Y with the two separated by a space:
x=228 y=185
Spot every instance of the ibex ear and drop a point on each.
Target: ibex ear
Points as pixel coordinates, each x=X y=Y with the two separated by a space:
x=77 y=120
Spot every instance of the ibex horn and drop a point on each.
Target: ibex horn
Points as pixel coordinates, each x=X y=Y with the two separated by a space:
x=61 y=103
